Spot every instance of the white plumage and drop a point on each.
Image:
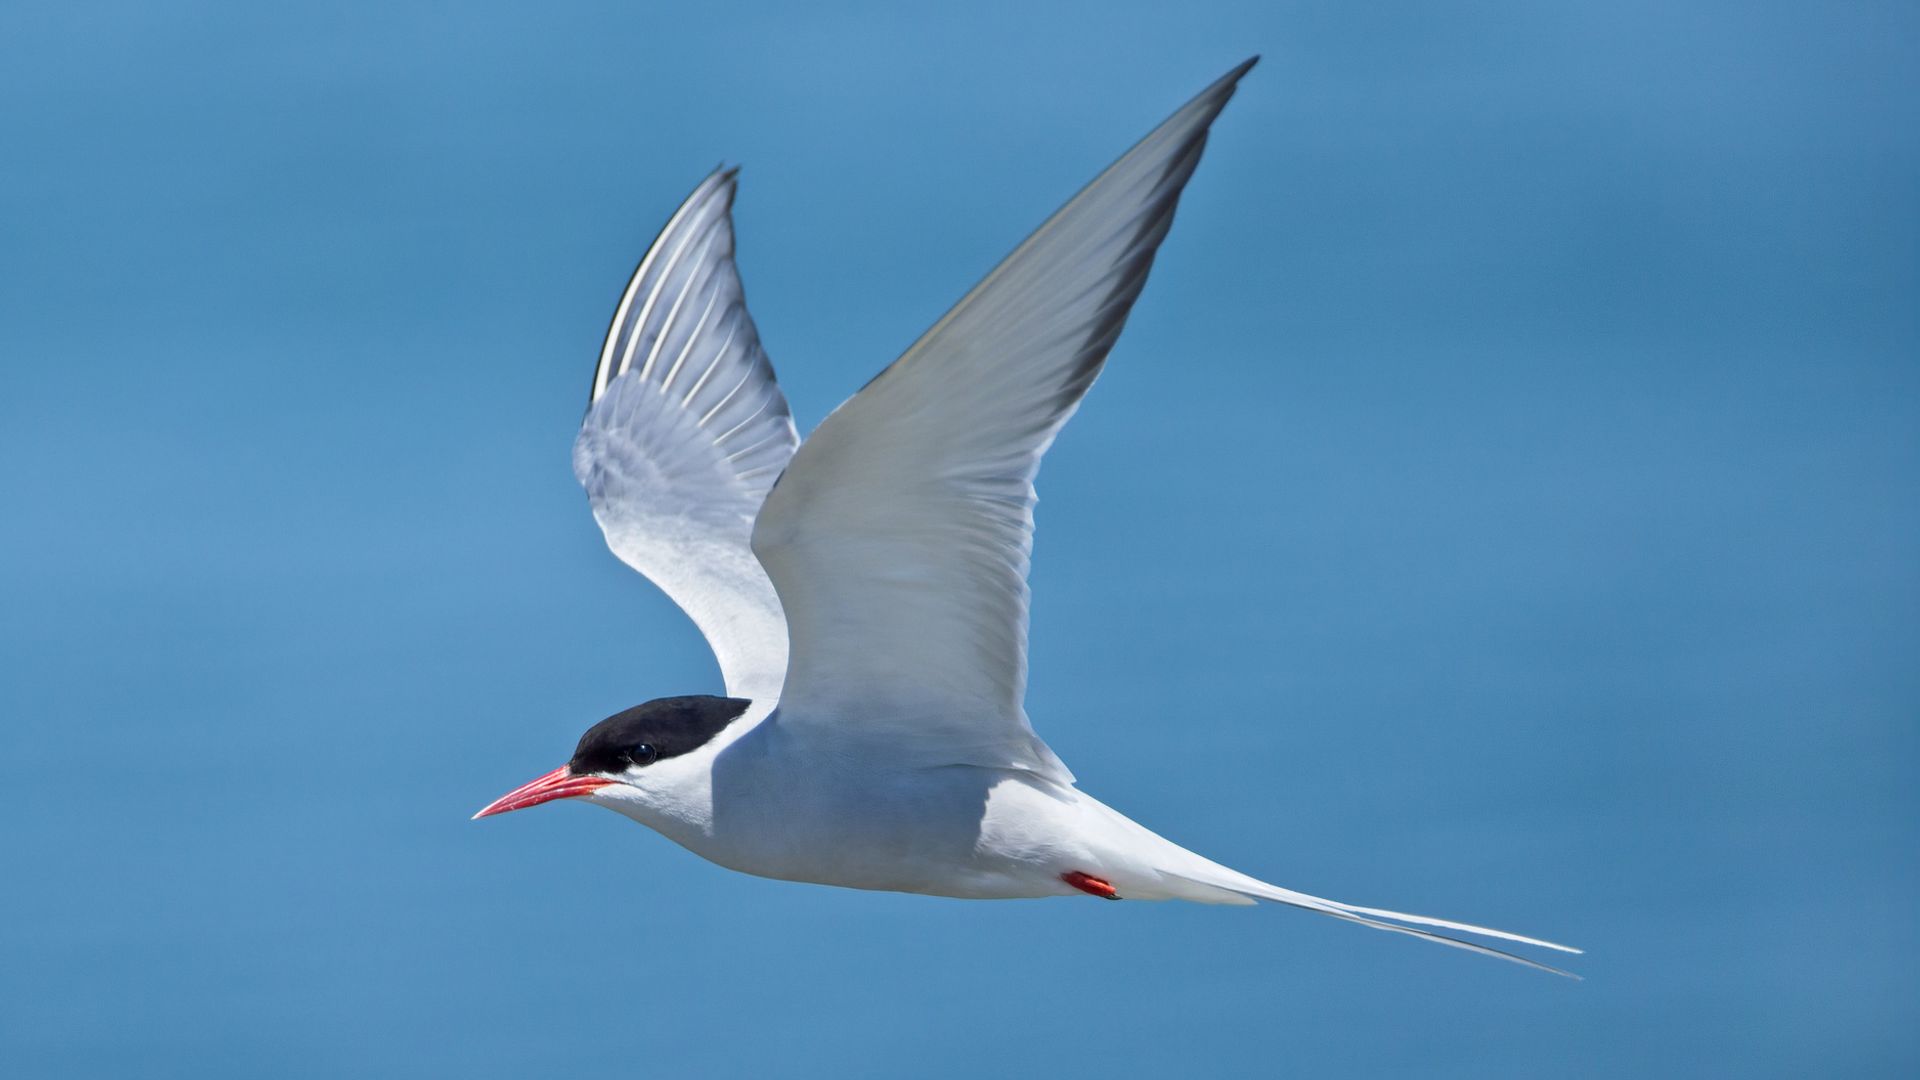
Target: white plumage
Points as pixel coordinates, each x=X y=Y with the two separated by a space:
x=866 y=590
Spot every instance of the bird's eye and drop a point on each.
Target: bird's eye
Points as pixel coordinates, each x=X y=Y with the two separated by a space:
x=643 y=754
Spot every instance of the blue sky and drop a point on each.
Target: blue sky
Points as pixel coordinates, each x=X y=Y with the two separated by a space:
x=1503 y=504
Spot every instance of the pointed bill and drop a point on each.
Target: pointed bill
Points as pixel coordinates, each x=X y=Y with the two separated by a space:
x=561 y=783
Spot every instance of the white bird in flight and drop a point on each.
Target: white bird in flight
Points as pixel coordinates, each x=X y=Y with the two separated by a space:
x=865 y=592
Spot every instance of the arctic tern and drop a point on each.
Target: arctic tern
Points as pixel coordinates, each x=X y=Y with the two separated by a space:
x=865 y=591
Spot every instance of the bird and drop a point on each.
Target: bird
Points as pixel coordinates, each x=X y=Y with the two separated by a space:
x=865 y=590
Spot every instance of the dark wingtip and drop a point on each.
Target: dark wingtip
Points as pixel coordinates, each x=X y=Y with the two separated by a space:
x=1228 y=81
x=1219 y=91
x=722 y=177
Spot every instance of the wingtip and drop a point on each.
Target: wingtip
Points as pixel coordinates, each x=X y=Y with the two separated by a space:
x=1239 y=70
x=723 y=182
x=1217 y=92
x=722 y=177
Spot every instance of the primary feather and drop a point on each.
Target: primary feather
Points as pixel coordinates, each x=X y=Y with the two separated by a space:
x=685 y=432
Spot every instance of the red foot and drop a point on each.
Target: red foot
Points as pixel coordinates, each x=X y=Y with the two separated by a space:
x=1087 y=883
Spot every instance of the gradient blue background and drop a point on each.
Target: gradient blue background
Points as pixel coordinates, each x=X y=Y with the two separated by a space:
x=1503 y=505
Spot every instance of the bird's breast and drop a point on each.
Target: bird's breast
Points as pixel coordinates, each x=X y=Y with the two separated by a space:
x=838 y=820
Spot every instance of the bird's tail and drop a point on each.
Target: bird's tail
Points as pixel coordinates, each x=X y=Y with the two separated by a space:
x=1210 y=875
x=1151 y=867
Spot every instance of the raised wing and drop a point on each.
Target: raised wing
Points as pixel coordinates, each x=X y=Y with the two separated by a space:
x=685 y=432
x=899 y=537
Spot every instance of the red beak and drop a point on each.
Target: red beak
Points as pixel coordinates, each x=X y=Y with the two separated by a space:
x=558 y=784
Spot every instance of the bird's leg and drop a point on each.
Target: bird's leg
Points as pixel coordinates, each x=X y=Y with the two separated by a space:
x=1087 y=883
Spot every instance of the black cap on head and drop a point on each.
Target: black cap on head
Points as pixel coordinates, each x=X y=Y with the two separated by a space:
x=662 y=728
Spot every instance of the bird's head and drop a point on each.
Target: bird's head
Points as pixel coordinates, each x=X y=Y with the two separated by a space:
x=648 y=753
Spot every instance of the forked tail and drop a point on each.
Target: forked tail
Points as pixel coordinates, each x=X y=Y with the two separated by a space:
x=1214 y=876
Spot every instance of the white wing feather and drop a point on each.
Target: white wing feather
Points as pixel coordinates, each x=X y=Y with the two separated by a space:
x=899 y=537
x=685 y=431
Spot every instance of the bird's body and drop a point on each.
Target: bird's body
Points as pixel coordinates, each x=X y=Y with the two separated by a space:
x=956 y=830
x=851 y=818
x=865 y=591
